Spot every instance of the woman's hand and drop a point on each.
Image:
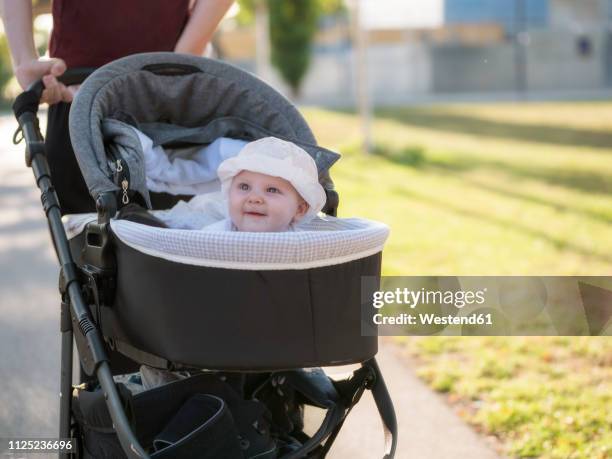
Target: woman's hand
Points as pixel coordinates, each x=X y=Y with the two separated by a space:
x=28 y=67
x=48 y=69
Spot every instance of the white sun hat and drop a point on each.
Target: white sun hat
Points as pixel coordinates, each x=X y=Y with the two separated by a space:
x=278 y=158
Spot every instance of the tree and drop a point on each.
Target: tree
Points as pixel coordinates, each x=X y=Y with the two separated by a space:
x=292 y=27
x=246 y=12
x=6 y=72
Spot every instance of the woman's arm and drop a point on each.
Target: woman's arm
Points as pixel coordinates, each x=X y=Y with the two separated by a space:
x=27 y=65
x=17 y=18
x=205 y=17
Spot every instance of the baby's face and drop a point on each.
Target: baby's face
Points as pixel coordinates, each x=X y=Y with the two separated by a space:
x=260 y=202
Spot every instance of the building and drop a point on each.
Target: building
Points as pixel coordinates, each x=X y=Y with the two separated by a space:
x=511 y=15
x=455 y=47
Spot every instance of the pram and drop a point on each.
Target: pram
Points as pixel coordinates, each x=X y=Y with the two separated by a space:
x=132 y=294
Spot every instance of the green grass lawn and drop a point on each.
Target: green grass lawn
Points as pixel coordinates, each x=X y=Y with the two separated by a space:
x=473 y=190
x=495 y=189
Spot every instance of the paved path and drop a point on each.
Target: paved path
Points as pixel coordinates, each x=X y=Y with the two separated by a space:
x=428 y=428
x=29 y=344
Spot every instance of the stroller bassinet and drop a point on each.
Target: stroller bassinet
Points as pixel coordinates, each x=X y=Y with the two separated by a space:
x=128 y=293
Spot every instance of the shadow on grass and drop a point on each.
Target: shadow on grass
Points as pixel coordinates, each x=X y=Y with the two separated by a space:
x=415 y=157
x=533 y=199
x=412 y=156
x=559 y=244
x=453 y=122
x=585 y=181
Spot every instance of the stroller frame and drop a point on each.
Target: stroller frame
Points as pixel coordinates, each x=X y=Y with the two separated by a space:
x=78 y=326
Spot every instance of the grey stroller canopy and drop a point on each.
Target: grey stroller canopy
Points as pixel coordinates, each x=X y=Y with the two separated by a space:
x=176 y=99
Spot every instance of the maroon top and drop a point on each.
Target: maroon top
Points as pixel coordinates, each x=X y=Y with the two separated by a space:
x=90 y=33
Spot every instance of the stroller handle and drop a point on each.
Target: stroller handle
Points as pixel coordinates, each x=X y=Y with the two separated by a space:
x=69 y=77
x=29 y=100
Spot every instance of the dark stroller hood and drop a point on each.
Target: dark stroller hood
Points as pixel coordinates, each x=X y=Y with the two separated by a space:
x=195 y=99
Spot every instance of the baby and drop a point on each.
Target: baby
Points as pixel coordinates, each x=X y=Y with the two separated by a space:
x=271 y=185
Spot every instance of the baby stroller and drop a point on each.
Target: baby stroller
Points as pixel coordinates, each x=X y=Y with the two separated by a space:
x=259 y=322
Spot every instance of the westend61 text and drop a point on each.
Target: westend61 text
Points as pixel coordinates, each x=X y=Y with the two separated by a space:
x=433 y=319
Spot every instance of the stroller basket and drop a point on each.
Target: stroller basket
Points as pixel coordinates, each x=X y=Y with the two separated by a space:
x=122 y=298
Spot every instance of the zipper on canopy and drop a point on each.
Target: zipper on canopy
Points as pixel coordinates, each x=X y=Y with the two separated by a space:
x=121 y=176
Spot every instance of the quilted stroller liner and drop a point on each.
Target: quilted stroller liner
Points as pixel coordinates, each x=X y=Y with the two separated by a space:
x=125 y=300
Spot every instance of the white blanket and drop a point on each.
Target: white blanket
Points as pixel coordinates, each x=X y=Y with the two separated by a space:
x=188 y=171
